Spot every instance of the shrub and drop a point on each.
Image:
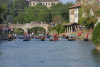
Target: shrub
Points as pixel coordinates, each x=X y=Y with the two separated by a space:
x=96 y=35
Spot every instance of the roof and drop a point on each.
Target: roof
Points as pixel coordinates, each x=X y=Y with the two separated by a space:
x=77 y=5
x=43 y=0
x=71 y=24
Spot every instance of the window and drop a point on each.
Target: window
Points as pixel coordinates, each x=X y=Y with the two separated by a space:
x=75 y=15
x=46 y=3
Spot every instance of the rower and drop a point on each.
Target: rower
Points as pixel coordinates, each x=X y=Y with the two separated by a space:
x=86 y=36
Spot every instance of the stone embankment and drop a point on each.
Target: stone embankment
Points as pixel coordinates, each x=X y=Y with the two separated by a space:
x=3 y=36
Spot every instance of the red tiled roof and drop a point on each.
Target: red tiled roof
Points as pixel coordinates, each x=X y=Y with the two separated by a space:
x=43 y=0
x=79 y=4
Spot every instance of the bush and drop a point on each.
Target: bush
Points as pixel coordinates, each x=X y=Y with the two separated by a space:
x=96 y=35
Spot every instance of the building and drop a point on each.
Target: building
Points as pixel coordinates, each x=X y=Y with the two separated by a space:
x=47 y=3
x=74 y=15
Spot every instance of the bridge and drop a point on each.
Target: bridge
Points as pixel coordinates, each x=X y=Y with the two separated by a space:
x=27 y=26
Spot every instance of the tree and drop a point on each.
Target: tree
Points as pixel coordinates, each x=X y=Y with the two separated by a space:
x=58 y=19
x=18 y=6
x=57 y=28
x=2 y=7
x=96 y=36
x=35 y=13
x=87 y=14
x=9 y=19
x=61 y=9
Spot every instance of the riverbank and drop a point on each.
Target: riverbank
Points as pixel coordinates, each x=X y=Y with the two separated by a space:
x=84 y=32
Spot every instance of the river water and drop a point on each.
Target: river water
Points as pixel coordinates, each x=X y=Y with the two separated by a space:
x=36 y=53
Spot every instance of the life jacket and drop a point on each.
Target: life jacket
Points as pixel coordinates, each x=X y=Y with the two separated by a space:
x=87 y=35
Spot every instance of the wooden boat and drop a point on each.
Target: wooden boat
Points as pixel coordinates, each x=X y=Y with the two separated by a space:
x=27 y=39
x=42 y=39
x=70 y=39
x=37 y=38
x=86 y=39
x=54 y=40
x=9 y=39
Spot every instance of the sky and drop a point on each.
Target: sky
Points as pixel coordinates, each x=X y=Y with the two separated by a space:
x=65 y=1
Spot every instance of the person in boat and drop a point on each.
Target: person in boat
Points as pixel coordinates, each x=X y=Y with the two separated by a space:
x=9 y=36
x=42 y=37
x=48 y=35
x=67 y=35
x=25 y=36
x=74 y=36
x=71 y=36
x=87 y=36
x=55 y=37
x=28 y=35
x=39 y=35
x=32 y=34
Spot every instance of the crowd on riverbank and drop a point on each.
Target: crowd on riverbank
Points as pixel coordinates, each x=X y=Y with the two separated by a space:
x=4 y=29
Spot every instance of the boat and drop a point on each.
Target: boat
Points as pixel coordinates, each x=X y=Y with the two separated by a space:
x=37 y=37
x=70 y=39
x=9 y=39
x=27 y=39
x=42 y=39
x=67 y=37
x=86 y=39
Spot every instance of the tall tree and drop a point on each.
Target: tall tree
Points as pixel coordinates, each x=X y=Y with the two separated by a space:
x=18 y=6
x=87 y=14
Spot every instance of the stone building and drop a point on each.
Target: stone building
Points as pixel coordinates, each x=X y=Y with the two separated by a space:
x=47 y=3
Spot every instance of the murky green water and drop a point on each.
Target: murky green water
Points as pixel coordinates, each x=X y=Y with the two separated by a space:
x=36 y=53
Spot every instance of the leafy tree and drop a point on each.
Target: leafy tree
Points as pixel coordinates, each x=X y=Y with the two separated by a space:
x=2 y=7
x=18 y=6
x=96 y=35
x=87 y=14
x=58 y=19
x=57 y=28
x=9 y=19
x=36 y=13
x=61 y=9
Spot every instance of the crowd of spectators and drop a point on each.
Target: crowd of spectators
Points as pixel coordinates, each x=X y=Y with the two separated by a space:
x=4 y=29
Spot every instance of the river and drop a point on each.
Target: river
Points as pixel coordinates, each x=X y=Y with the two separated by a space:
x=36 y=53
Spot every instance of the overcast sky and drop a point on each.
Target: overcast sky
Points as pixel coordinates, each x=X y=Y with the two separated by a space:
x=65 y=1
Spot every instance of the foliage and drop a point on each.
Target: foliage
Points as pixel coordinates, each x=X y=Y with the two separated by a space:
x=49 y=28
x=57 y=28
x=61 y=10
x=2 y=7
x=96 y=35
x=9 y=19
x=58 y=19
x=87 y=14
x=87 y=21
x=18 y=6
x=35 y=13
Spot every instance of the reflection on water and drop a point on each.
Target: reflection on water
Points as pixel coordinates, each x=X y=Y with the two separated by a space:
x=37 y=53
x=96 y=57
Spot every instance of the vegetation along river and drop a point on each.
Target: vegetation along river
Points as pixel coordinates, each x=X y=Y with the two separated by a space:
x=36 y=53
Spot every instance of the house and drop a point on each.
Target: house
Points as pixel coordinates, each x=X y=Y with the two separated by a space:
x=74 y=15
x=47 y=3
